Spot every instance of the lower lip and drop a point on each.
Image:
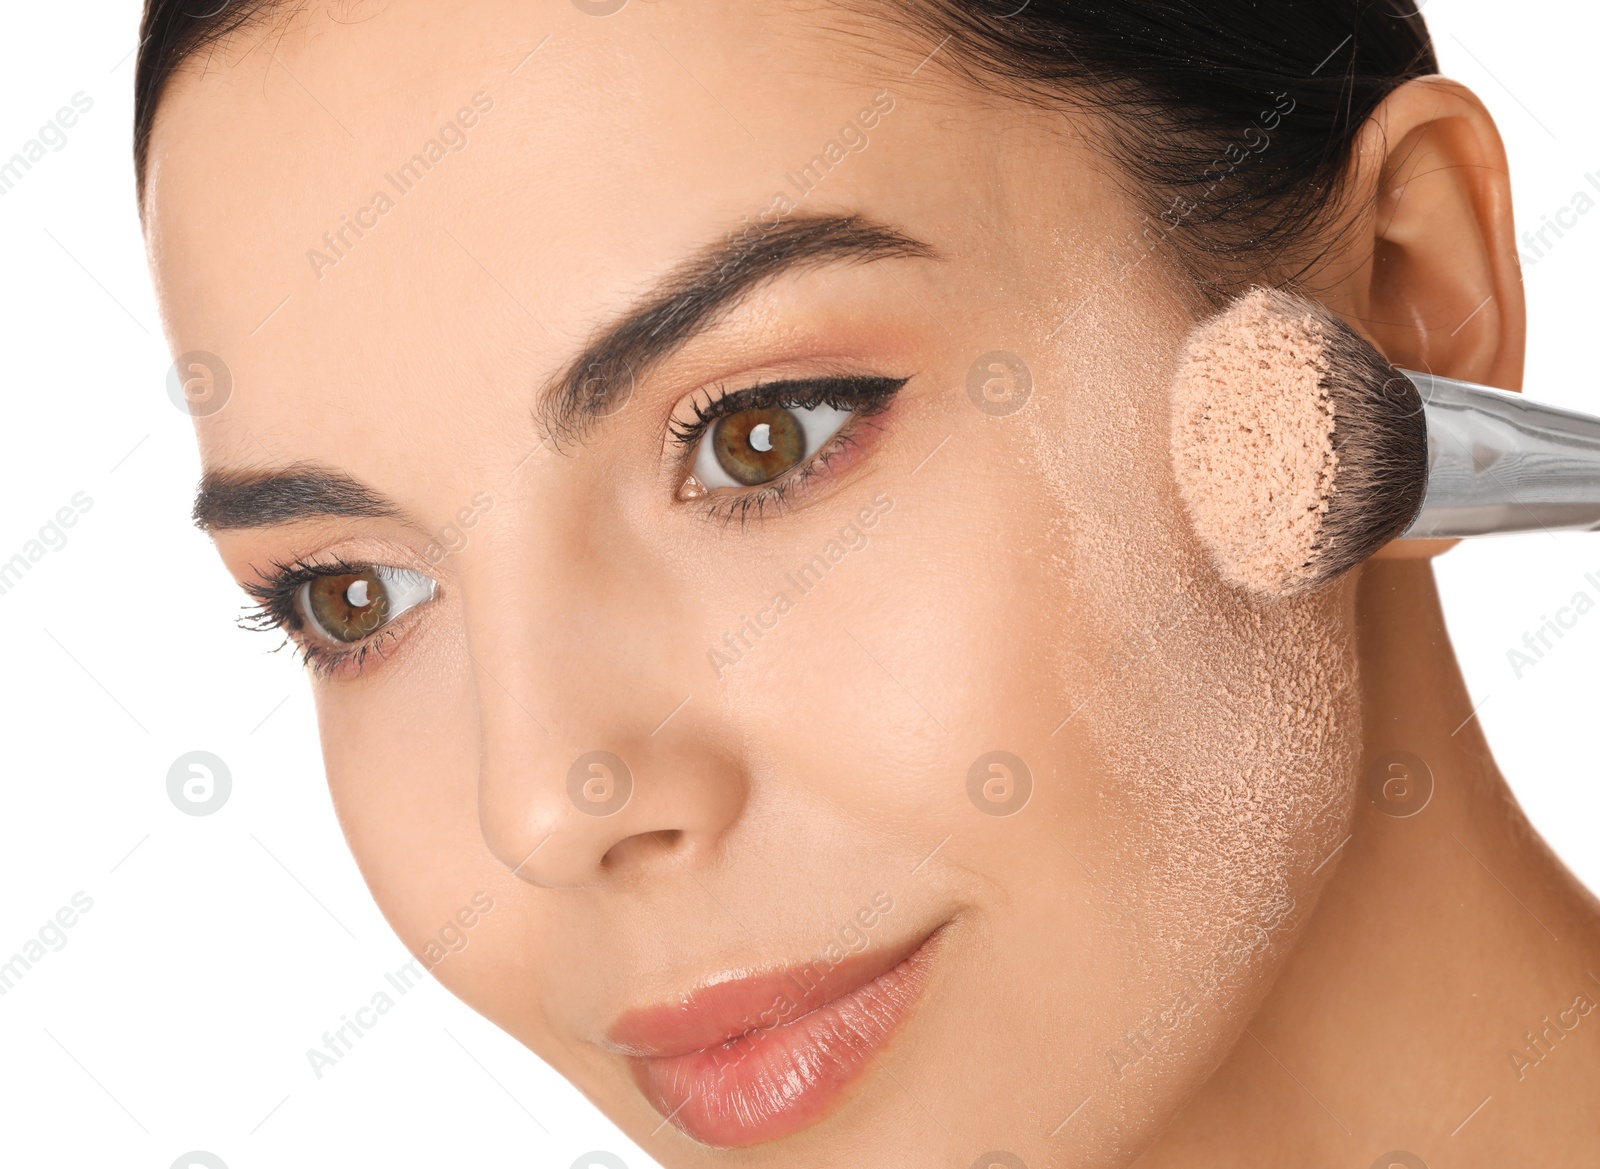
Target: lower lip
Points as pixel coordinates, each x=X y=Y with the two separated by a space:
x=775 y=1080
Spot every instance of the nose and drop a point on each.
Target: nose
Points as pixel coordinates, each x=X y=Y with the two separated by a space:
x=564 y=814
x=599 y=760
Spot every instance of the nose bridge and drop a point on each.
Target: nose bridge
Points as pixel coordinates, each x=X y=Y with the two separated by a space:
x=591 y=754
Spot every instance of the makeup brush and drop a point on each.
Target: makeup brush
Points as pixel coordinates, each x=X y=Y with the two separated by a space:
x=1299 y=450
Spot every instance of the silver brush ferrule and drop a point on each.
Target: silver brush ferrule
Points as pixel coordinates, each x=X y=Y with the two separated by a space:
x=1498 y=462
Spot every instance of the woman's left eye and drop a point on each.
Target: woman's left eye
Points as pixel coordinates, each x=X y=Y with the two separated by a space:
x=349 y=607
x=762 y=443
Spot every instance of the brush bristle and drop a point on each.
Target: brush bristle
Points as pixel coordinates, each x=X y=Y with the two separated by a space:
x=1299 y=451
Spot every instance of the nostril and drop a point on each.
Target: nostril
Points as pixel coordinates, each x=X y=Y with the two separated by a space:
x=640 y=849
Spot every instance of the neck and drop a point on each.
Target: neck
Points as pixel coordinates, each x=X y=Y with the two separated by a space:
x=1442 y=998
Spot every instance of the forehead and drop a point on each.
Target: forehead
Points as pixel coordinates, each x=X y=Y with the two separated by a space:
x=379 y=212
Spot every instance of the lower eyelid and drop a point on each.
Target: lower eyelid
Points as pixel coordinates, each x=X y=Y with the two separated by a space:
x=347 y=660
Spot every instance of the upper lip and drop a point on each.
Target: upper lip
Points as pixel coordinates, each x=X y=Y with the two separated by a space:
x=727 y=1006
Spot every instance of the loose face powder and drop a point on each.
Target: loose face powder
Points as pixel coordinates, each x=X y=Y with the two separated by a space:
x=1252 y=440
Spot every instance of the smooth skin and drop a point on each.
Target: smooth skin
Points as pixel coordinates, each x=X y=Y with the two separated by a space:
x=1199 y=833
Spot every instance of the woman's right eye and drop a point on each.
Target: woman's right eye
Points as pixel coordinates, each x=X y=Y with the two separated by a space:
x=346 y=608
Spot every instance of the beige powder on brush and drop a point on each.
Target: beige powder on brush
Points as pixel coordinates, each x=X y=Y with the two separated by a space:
x=1252 y=440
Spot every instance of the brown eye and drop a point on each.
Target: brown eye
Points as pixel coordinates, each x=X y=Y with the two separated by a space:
x=755 y=446
x=351 y=607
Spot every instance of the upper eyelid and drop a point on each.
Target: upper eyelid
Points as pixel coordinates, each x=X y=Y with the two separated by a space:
x=285 y=576
x=311 y=564
x=796 y=386
x=275 y=593
x=773 y=390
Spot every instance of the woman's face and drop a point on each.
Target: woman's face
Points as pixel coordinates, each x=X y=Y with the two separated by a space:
x=886 y=725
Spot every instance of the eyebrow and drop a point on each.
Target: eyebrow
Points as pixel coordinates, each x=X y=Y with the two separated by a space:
x=259 y=499
x=695 y=295
x=691 y=298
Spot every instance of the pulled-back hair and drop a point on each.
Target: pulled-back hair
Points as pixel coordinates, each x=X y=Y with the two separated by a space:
x=1236 y=120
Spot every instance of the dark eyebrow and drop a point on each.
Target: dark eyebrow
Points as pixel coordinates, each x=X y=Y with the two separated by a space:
x=695 y=295
x=257 y=499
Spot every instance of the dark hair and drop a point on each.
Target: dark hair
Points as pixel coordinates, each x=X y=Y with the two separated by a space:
x=1234 y=119
x=171 y=32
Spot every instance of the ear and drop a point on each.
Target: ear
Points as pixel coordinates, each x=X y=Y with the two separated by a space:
x=1430 y=270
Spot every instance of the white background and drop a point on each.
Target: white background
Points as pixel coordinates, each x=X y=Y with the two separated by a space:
x=219 y=948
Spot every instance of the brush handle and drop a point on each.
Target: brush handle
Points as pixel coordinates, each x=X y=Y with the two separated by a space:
x=1498 y=462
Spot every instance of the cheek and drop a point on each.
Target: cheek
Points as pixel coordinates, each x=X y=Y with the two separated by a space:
x=398 y=748
x=914 y=658
x=1228 y=739
x=1200 y=748
x=1223 y=730
x=402 y=766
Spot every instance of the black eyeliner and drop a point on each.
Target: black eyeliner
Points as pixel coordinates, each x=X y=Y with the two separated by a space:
x=862 y=396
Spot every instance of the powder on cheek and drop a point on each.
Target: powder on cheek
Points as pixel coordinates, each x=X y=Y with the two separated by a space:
x=1223 y=728
x=1252 y=441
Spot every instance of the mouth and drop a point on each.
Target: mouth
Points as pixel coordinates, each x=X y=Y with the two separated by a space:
x=750 y=1059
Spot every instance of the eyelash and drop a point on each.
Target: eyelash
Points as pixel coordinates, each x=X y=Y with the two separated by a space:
x=864 y=397
x=276 y=609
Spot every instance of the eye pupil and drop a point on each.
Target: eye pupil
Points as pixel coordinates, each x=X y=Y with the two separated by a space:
x=757 y=445
x=350 y=606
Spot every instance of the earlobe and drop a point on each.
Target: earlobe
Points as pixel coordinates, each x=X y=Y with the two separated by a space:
x=1442 y=292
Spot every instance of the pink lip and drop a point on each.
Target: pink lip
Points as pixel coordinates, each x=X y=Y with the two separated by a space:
x=748 y=1060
